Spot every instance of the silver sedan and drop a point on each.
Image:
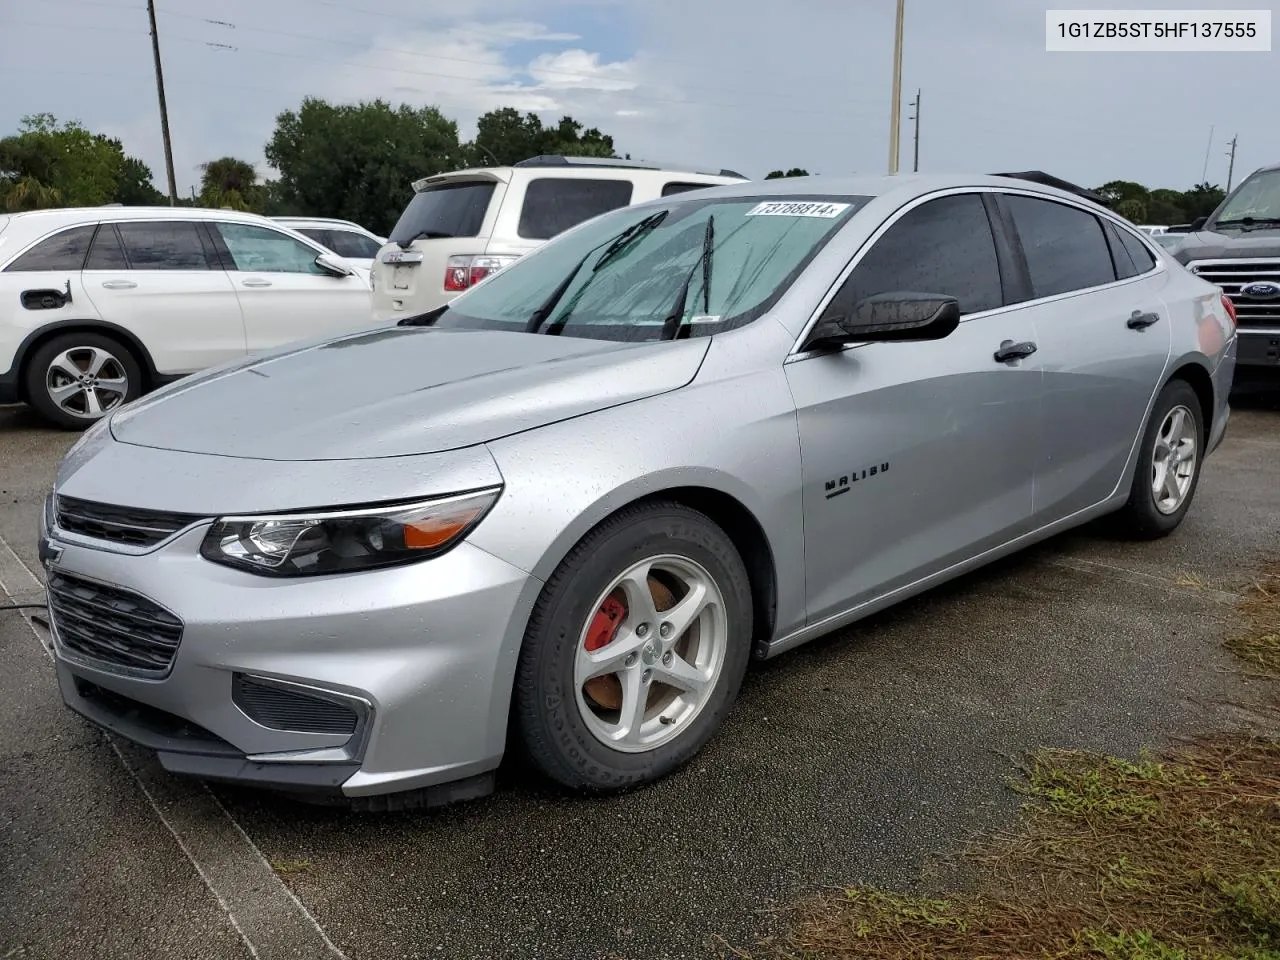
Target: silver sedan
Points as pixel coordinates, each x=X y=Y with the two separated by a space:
x=565 y=511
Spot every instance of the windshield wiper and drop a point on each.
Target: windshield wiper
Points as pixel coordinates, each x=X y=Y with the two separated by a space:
x=627 y=236
x=540 y=316
x=671 y=325
x=1248 y=222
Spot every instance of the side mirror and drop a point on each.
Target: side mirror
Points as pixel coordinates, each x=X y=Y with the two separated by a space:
x=1198 y=223
x=888 y=317
x=333 y=266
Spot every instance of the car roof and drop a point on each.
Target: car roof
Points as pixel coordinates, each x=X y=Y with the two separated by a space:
x=906 y=185
x=326 y=221
x=61 y=215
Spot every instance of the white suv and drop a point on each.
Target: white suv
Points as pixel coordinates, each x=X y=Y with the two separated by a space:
x=348 y=240
x=99 y=305
x=462 y=226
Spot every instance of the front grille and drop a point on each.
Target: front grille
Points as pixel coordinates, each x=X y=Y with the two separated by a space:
x=113 y=626
x=128 y=525
x=283 y=709
x=1233 y=276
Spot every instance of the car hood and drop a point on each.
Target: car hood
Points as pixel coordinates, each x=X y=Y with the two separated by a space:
x=1226 y=246
x=401 y=391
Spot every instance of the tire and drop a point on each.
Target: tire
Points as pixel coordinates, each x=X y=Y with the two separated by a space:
x=118 y=378
x=1144 y=516
x=575 y=732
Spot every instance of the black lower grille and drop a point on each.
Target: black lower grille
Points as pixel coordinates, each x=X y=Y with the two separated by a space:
x=283 y=709
x=129 y=525
x=113 y=626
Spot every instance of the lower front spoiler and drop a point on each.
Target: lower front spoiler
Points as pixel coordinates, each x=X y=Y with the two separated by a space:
x=186 y=749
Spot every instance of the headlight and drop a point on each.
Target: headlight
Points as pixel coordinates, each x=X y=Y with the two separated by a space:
x=340 y=541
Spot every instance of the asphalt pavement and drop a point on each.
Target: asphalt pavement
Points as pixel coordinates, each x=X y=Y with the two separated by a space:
x=867 y=756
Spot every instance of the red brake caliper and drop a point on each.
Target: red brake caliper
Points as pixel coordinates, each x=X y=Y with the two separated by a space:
x=606 y=691
x=604 y=625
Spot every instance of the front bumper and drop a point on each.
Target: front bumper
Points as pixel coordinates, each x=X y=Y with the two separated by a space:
x=1258 y=348
x=422 y=657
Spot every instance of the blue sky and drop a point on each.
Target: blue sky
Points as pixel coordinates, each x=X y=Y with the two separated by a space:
x=746 y=84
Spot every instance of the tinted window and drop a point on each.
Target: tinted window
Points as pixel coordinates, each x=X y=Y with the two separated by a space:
x=63 y=251
x=449 y=210
x=106 y=253
x=1142 y=257
x=552 y=204
x=1124 y=264
x=1065 y=247
x=345 y=243
x=263 y=250
x=163 y=245
x=673 y=188
x=943 y=246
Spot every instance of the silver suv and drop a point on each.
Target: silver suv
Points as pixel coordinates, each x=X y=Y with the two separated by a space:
x=462 y=226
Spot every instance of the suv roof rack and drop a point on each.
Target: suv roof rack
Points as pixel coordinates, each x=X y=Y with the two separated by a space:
x=1045 y=179
x=555 y=160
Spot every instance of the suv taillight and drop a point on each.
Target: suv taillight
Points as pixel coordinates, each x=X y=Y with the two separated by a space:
x=1231 y=310
x=463 y=273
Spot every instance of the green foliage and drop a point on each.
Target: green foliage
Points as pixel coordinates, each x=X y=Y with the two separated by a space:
x=358 y=161
x=51 y=164
x=505 y=137
x=1139 y=204
x=793 y=172
x=230 y=183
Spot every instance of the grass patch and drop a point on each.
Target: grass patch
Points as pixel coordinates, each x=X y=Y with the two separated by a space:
x=1173 y=856
x=287 y=867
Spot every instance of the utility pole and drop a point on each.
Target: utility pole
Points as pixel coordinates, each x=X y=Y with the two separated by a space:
x=164 y=110
x=895 y=111
x=1204 y=174
x=915 y=164
x=1231 y=167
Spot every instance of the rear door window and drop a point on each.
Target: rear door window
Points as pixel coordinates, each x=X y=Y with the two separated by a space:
x=1065 y=247
x=554 y=204
x=62 y=251
x=164 y=245
x=446 y=210
x=345 y=243
x=107 y=253
x=1142 y=257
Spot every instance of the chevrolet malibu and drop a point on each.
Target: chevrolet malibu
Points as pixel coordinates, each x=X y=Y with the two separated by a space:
x=565 y=511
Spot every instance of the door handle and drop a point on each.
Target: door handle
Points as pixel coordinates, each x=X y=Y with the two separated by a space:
x=119 y=284
x=1010 y=351
x=255 y=283
x=1140 y=321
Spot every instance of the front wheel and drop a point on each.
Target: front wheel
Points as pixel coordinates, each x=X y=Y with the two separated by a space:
x=635 y=651
x=1169 y=463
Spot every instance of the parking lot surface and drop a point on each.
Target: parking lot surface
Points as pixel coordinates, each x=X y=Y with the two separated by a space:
x=861 y=757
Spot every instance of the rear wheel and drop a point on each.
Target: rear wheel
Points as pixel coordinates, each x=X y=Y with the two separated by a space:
x=1169 y=462
x=77 y=378
x=635 y=650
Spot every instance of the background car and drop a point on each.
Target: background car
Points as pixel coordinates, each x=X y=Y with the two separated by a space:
x=576 y=501
x=348 y=240
x=460 y=227
x=100 y=305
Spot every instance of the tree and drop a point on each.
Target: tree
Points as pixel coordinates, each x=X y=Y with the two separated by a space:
x=1201 y=200
x=228 y=182
x=504 y=137
x=134 y=186
x=73 y=166
x=793 y=172
x=358 y=161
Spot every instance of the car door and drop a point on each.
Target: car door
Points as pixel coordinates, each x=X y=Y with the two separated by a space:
x=161 y=281
x=44 y=284
x=1104 y=341
x=917 y=455
x=284 y=295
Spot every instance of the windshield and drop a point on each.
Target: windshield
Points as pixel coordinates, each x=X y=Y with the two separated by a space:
x=446 y=210
x=688 y=267
x=1258 y=199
